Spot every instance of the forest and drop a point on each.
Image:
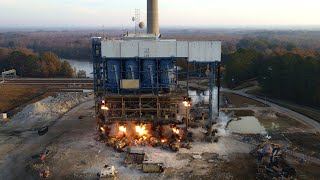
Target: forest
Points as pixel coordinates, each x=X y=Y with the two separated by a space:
x=75 y=44
x=286 y=63
x=30 y=64
x=287 y=76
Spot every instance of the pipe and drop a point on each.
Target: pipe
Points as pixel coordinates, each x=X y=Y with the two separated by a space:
x=153 y=17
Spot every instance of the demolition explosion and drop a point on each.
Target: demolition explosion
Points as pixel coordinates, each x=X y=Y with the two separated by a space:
x=148 y=89
x=153 y=92
x=154 y=114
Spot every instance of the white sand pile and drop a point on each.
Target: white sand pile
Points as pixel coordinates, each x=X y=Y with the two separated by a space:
x=43 y=112
x=247 y=125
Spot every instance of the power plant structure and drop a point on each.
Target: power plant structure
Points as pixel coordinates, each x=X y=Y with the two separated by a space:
x=141 y=78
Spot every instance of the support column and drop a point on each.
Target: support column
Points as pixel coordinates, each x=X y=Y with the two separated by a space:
x=211 y=92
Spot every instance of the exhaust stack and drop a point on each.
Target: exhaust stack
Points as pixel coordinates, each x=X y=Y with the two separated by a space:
x=153 y=17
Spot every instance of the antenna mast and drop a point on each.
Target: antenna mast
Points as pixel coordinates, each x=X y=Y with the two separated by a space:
x=137 y=21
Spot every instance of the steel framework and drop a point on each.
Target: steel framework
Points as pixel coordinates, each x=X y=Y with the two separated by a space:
x=150 y=103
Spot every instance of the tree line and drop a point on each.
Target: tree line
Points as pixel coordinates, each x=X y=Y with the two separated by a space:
x=75 y=44
x=286 y=76
x=29 y=64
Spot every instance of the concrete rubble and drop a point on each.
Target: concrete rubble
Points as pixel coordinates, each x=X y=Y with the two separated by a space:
x=42 y=113
x=271 y=162
x=108 y=173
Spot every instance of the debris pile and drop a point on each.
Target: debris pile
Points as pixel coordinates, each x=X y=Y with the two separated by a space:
x=39 y=114
x=40 y=164
x=130 y=135
x=137 y=157
x=108 y=173
x=271 y=162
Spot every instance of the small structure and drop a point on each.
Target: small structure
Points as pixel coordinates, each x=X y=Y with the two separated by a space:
x=3 y=116
x=135 y=156
x=152 y=167
x=9 y=74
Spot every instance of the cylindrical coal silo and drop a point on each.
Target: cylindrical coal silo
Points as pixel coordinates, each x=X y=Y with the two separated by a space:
x=153 y=17
x=113 y=74
x=149 y=74
x=166 y=73
x=131 y=69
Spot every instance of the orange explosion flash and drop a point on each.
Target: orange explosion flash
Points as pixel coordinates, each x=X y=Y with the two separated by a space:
x=163 y=140
x=175 y=130
x=103 y=107
x=186 y=103
x=141 y=130
x=123 y=129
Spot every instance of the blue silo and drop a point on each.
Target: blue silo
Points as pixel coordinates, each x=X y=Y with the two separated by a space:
x=149 y=74
x=131 y=69
x=166 y=70
x=113 y=74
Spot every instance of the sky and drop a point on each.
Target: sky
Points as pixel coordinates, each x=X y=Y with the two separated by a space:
x=172 y=13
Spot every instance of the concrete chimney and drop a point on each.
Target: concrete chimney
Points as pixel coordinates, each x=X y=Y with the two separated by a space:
x=153 y=17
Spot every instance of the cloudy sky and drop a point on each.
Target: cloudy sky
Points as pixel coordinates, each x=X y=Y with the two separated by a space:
x=117 y=13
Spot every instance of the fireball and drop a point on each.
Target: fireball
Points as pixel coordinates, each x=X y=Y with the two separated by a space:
x=123 y=129
x=186 y=104
x=141 y=130
x=175 y=130
x=104 y=108
x=164 y=140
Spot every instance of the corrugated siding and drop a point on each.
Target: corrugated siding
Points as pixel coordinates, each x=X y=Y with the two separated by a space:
x=201 y=51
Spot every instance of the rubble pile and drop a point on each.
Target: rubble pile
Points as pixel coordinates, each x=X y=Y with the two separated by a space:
x=108 y=173
x=168 y=137
x=138 y=158
x=271 y=162
x=39 y=114
x=39 y=165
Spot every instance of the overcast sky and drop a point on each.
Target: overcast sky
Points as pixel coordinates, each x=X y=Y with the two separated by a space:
x=117 y=13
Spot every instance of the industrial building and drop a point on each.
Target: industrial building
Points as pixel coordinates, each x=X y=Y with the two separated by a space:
x=9 y=74
x=138 y=77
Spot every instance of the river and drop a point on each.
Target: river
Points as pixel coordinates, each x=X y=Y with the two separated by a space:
x=85 y=65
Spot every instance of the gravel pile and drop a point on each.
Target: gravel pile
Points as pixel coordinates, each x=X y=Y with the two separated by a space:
x=43 y=112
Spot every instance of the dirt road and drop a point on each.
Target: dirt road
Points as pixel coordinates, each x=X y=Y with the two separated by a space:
x=75 y=154
x=17 y=149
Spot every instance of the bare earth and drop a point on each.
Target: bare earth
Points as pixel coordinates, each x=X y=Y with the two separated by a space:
x=74 y=154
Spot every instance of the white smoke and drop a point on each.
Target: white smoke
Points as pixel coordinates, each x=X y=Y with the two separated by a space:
x=221 y=125
x=204 y=97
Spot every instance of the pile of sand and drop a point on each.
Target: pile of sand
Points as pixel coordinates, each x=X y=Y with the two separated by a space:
x=41 y=113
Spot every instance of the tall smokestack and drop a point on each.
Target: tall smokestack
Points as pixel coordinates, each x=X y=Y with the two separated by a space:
x=153 y=17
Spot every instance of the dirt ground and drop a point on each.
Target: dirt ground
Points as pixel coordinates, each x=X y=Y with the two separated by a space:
x=276 y=122
x=75 y=154
x=13 y=95
x=234 y=100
